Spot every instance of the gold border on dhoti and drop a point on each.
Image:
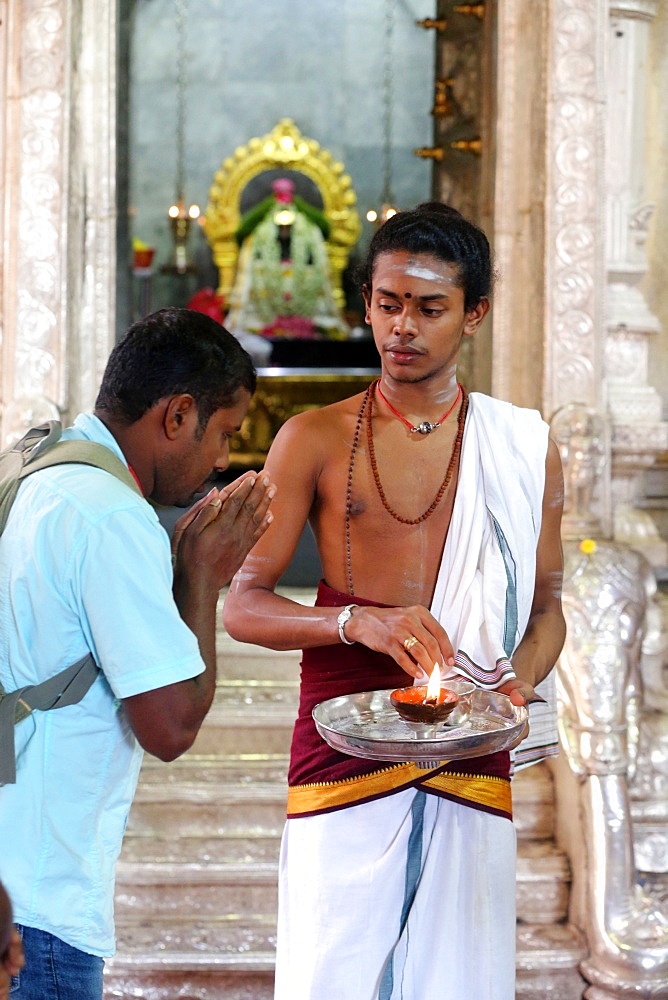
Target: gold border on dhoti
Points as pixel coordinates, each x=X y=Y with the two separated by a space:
x=478 y=789
x=488 y=791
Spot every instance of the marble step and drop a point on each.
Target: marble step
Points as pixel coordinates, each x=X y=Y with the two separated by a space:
x=533 y=803
x=240 y=727
x=209 y=795
x=239 y=660
x=242 y=847
x=238 y=874
x=216 y=892
x=189 y=984
x=194 y=768
x=248 y=716
x=547 y=962
x=543 y=883
x=233 y=960
x=212 y=809
x=248 y=695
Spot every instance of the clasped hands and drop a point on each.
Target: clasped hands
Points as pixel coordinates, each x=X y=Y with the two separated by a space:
x=215 y=535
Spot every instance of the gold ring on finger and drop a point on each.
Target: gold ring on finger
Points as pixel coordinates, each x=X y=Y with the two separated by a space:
x=409 y=642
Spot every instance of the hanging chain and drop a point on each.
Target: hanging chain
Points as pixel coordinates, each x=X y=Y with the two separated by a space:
x=387 y=100
x=181 y=15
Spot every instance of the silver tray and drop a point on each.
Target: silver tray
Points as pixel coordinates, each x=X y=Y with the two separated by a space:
x=366 y=725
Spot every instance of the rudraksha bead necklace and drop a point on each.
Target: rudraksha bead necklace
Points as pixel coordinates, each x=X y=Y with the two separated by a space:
x=367 y=408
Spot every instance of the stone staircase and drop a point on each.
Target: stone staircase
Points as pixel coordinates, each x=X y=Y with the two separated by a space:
x=196 y=887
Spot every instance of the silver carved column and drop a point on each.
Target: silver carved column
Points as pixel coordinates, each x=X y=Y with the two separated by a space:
x=638 y=433
x=58 y=252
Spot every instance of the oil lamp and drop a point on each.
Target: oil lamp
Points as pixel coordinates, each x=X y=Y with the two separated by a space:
x=181 y=219
x=425 y=702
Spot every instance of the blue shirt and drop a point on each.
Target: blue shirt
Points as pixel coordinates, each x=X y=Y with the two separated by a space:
x=84 y=566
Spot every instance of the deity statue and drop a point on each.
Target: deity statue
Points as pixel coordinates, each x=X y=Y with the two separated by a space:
x=282 y=285
x=580 y=433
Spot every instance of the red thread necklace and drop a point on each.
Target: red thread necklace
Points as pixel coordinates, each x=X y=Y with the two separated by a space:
x=136 y=479
x=426 y=427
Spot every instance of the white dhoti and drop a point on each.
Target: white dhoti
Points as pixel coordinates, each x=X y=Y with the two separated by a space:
x=390 y=900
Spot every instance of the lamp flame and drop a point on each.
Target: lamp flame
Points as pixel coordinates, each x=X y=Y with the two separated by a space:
x=434 y=685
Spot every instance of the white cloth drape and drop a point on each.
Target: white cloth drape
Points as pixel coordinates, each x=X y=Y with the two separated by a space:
x=485 y=584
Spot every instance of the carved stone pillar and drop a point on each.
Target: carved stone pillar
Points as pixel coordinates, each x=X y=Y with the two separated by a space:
x=58 y=230
x=638 y=434
x=550 y=203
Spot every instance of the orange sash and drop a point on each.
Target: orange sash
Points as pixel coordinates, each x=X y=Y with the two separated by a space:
x=480 y=791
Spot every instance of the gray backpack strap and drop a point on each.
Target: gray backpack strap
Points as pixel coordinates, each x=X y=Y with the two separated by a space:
x=37 y=439
x=41 y=448
x=12 y=462
x=66 y=688
x=77 y=452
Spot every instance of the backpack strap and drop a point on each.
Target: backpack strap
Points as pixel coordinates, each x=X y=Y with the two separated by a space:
x=66 y=688
x=45 y=449
x=41 y=448
x=77 y=452
x=37 y=439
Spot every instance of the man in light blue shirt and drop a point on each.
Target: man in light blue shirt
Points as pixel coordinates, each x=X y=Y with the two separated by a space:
x=85 y=566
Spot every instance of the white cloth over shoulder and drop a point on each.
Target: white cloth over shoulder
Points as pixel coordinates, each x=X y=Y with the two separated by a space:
x=485 y=584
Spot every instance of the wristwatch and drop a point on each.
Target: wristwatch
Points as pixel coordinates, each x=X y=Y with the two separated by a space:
x=344 y=617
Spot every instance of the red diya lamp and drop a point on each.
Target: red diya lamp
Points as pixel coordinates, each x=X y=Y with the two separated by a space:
x=425 y=702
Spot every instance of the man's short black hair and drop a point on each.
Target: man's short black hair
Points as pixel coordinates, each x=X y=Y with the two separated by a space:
x=174 y=351
x=440 y=230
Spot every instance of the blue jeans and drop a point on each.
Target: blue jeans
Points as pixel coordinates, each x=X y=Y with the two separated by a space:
x=55 y=971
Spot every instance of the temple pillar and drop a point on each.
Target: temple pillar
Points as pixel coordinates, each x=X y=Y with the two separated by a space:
x=638 y=433
x=57 y=253
x=549 y=306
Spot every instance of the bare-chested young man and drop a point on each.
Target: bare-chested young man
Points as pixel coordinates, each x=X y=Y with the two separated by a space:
x=437 y=519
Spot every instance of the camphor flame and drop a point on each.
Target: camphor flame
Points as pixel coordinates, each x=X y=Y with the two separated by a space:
x=434 y=685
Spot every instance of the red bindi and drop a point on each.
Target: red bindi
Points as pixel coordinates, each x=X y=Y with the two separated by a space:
x=408 y=295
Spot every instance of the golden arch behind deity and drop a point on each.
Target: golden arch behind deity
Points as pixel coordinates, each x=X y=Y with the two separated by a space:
x=284 y=148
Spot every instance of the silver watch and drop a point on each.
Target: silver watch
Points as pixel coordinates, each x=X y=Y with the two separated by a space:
x=344 y=617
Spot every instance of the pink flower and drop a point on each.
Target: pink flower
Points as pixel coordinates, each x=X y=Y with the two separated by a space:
x=295 y=327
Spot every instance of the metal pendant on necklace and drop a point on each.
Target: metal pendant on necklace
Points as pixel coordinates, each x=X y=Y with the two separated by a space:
x=425 y=427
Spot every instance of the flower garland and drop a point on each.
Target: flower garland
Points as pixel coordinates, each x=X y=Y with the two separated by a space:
x=288 y=288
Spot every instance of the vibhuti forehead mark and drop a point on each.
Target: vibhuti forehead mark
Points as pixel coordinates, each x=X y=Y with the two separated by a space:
x=414 y=268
